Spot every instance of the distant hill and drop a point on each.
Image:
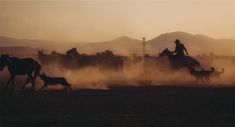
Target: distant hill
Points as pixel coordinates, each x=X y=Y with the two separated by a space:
x=122 y=45
x=11 y=42
x=196 y=44
x=19 y=51
x=37 y=44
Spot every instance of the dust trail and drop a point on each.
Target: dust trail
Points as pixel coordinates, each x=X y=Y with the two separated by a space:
x=140 y=73
x=133 y=74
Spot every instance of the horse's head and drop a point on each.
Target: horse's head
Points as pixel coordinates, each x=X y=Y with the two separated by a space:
x=165 y=52
x=3 y=61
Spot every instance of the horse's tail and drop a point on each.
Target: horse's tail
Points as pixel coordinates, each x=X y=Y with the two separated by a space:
x=37 y=68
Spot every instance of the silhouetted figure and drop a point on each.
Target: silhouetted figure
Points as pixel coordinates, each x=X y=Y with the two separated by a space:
x=16 y=66
x=54 y=81
x=179 y=49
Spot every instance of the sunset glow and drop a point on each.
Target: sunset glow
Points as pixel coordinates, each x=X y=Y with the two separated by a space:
x=81 y=20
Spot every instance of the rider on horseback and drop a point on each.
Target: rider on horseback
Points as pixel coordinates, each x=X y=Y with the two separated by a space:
x=179 y=49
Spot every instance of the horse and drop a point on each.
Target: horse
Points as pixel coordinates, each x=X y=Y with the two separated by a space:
x=16 y=66
x=180 y=62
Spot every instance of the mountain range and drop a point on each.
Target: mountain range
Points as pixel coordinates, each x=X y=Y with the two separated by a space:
x=196 y=44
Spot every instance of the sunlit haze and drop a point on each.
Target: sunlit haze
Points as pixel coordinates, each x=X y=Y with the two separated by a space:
x=99 y=20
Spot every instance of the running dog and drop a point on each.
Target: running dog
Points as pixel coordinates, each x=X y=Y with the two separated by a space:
x=203 y=75
x=54 y=81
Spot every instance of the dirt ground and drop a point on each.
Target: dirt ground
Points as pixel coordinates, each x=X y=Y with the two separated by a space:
x=146 y=106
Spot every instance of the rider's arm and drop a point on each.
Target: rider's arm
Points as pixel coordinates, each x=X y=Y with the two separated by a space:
x=185 y=50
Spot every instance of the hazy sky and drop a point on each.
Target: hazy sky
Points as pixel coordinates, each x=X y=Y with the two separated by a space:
x=98 y=20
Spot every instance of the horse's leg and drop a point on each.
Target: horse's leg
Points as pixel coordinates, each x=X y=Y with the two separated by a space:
x=37 y=68
x=45 y=85
x=23 y=87
x=34 y=78
x=13 y=84
x=70 y=89
x=208 y=80
x=197 y=80
x=66 y=88
x=32 y=81
x=203 y=81
x=8 y=82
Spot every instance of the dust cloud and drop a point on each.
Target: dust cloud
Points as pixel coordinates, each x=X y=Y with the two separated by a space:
x=134 y=74
x=146 y=73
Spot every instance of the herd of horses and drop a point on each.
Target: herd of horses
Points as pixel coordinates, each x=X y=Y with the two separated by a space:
x=72 y=59
x=107 y=59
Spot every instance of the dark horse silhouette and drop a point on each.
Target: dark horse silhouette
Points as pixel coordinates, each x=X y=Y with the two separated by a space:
x=180 y=62
x=16 y=66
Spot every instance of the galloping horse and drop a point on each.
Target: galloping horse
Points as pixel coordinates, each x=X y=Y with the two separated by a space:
x=16 y=66
x=180 y=62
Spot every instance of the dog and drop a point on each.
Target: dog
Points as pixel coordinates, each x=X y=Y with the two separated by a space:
x=54 y=81
x=203 y=75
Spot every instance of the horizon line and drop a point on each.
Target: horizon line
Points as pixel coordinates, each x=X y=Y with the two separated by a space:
x=41 y=39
